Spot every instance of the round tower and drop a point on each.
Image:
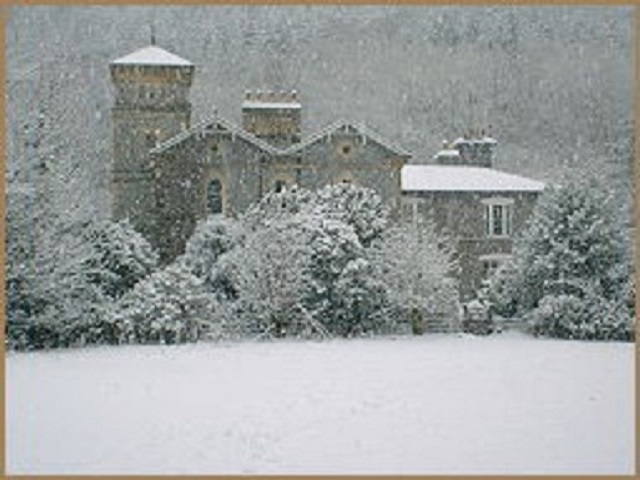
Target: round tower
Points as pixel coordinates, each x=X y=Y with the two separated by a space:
x=151 y=105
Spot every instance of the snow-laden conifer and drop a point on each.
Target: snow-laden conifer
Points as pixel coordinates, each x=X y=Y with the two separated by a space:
x=571 y=275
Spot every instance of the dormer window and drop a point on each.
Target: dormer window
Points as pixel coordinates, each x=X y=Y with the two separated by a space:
x=498 y=215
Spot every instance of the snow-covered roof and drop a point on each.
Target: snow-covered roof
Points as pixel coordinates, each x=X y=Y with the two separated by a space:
x=271 y=105
x=460 y=140
x=152 y=55
x=447 y=153
x=347 y=127
x=211 y=124
x=459 y=178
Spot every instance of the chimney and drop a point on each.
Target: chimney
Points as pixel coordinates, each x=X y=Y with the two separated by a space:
x=274 y=116
x=475 y=149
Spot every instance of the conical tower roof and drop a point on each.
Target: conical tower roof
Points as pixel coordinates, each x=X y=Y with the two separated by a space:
x=152 y=55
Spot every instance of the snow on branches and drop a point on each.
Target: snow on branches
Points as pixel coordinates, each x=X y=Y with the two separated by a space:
x=571 y=276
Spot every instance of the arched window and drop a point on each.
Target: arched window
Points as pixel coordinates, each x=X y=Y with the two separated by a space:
x=214 y=196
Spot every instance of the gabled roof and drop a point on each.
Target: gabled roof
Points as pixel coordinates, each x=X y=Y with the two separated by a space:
x=215 y=124
x=345 y=126
x=152 y=55
x=459 y=178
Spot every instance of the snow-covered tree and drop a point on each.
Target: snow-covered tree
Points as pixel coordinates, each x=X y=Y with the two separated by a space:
x=93 y=264
x=170 y=306
x=345 y=296
x=270 y=273
x=418 y=269
x=302 y=267
x=212 y=237
x=361 y=208
x=360 y=302
x=572 y=271
x=119 y=257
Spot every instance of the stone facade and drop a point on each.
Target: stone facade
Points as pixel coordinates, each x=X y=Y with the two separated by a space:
x=478 y=208
x=462 y=216
x=168 y=175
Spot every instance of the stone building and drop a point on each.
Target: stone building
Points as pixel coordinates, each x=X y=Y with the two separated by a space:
x=168 y=174
x=479 y=208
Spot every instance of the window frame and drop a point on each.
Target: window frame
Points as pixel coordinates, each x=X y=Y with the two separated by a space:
x=220 y=201
x=491 y=207
x=495 y=261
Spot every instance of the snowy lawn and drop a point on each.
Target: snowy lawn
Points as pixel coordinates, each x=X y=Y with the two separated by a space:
x=434 y=404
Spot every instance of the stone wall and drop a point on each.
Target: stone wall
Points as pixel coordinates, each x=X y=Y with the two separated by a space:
x=460 y=215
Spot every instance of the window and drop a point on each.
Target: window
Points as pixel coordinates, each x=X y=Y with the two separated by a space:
x=150 y=139
x=491 y=263
x=498 y=214
x=489 y=267
x=279 y=186
x=345 y=149
x=214 y=196
x=214 y=153
x=410 y=211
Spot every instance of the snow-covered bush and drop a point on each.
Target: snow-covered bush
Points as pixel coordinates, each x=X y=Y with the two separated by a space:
x=568 y=316
x=360 y=302
x=119 y=257
x=96 y=263
x=170 y=306
x=73 y=312
x=573 y=260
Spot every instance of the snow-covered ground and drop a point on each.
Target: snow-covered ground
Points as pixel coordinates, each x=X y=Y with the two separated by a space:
x=435 y=404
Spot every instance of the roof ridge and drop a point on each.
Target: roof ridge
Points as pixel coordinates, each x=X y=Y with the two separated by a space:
x=215 y=118
x=341 y=122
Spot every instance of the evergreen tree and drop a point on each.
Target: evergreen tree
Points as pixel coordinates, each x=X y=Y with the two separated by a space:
x=119 y=257
x=572 y=272
x=93 y=265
